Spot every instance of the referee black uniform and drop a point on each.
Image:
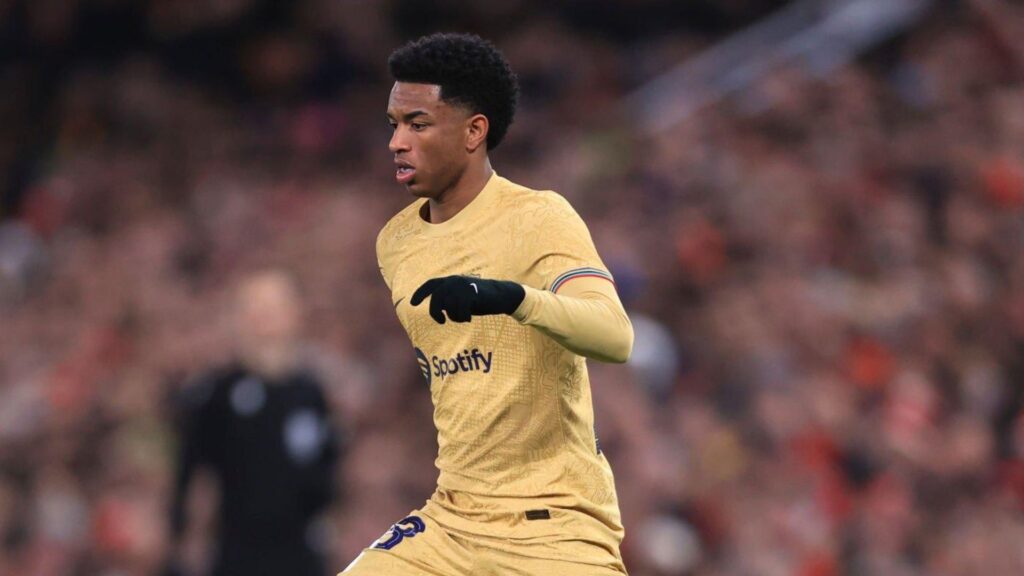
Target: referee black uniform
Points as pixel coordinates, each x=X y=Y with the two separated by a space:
x=273 y=450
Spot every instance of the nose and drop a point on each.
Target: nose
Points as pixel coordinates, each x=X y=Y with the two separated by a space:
x=399 y=142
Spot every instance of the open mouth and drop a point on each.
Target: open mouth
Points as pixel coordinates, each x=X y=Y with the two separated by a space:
x=404 y=174
x=404 y=171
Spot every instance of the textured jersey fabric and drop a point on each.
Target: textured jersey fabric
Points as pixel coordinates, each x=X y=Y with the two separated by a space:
x=586 y=317
x=517 y=452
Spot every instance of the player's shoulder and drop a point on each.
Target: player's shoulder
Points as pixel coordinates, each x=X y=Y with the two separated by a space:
x=523 y=198
x=205 y=389
x=536 y=211
x=395 y=228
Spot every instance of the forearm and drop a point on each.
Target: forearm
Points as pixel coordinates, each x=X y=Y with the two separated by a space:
x=588 y=320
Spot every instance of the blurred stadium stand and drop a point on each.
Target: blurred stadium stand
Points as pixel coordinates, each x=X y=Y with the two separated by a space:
x=822 y=35
x=823 y=256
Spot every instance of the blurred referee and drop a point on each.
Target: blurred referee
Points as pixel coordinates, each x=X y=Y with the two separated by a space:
x=261 y=425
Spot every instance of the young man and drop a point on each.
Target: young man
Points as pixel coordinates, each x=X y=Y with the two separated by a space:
x=503 y=295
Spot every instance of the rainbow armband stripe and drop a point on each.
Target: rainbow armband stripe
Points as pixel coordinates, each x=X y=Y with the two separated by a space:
x=579 y=273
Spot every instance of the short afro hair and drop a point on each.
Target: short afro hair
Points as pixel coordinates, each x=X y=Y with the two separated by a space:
x=470 y=71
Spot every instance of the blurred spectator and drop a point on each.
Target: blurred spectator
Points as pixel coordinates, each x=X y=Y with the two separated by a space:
x=262 y=425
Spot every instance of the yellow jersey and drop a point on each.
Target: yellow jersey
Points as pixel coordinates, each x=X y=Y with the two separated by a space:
x=517 y=450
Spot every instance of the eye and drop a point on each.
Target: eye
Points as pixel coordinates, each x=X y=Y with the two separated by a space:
x=393 y=125
x=418 y=126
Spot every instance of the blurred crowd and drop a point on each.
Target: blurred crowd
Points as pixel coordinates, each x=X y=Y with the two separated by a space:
x=825 y=275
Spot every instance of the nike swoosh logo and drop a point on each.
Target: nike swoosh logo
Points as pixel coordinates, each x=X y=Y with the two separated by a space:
x=399 y=301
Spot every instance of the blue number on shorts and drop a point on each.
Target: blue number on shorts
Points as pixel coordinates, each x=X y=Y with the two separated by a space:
x=407 y=527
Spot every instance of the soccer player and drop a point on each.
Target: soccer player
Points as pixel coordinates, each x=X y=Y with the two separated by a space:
x=503 y=296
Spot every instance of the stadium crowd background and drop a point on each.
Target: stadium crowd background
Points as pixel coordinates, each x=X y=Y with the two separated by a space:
x=826 y=276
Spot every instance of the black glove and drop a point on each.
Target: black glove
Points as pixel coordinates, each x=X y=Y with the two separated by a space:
x=463 y=297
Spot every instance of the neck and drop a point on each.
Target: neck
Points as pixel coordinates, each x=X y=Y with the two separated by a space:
x=272 y=361
x=461 y=193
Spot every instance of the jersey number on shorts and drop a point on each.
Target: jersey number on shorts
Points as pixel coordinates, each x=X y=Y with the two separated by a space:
x=407 y=527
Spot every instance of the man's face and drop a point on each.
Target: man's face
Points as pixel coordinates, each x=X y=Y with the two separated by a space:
x=429 y=139
x=269 y=310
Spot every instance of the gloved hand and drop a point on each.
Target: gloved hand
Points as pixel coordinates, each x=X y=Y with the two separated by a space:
x=463 y=297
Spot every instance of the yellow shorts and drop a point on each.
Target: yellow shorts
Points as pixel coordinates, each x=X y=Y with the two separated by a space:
x=418 y=546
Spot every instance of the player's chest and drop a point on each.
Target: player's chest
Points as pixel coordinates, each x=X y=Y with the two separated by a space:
x=482 y=256
x=485 y=255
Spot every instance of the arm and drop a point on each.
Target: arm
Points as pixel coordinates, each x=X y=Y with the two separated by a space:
x=193 y=421
x=191 y=426
x=579 y=307
x=585 y=316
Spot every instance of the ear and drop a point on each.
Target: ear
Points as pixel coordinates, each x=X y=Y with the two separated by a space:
x=476 y=132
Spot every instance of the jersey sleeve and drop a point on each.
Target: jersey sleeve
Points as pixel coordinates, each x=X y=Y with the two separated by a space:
x=570 y=296
x=559 y=248
x=586 y=319
x=383 y=256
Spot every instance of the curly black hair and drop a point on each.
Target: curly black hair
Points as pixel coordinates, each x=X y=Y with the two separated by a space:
x=470 y=71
